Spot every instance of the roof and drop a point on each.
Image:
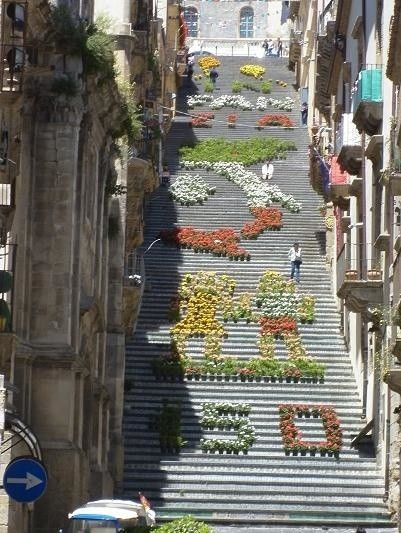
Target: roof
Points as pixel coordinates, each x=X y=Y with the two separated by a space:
x=103 y=513
x=113 y=510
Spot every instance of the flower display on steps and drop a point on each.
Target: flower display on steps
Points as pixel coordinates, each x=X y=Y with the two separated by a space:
x=205 y=296
x=202 y=120
x=232 y=100
x=224 y=100
x=275 y=120
x=198 y=100
x=266 y=218
x=281 y=307
x=219 y=242
x=226 y=416
x=256 y=71
x=247 y=152
x=259 y=194
x=293 y=441
x=285 y=104
x=208 y=62
x=190 y=190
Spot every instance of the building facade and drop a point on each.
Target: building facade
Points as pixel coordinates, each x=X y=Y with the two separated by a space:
x=257 y=19
x=346 y=57
x=82 y=118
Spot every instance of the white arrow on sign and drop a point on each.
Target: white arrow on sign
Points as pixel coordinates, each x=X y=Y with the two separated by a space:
x=30 y=481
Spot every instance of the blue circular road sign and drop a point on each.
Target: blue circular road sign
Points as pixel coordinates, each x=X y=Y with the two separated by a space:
x=25 y=479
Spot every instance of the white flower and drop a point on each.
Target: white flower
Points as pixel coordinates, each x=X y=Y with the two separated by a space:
x=225 y=100
x=259 y=194
x=286 y=104
x=190 y=190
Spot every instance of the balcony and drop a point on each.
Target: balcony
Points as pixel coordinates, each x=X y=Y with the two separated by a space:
x=355 y=186
x=12 y=49
x=393 y=380
x=382 y=242
x=339 y=186
x=348 y=146
x=7 y=269
x=396 y=348
x=367 y=101
x=7 y=198
x=361 y=294
x=374 y=150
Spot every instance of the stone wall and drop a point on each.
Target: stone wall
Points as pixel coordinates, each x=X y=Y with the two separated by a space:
x=222 y=19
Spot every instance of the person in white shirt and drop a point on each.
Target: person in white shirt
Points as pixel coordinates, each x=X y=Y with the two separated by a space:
x=295 y=256
x=267 y=170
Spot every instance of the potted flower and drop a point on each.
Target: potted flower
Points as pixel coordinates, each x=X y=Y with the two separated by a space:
x=231 y=120
x=351 y=275
x=374 y=274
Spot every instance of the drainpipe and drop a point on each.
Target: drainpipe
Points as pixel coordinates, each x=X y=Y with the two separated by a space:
x=364 y=350
x=387 y=454
x=363 y=271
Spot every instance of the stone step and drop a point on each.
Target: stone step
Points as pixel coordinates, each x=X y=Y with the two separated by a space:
x=264 y=489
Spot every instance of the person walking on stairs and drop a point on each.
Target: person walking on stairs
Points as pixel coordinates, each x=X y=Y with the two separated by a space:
x=267 y=170
x=213 y=75
x=295 y=256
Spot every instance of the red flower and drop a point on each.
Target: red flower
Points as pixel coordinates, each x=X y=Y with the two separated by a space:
x=292 y=436
x=275 y=119
x=221 y=241
x=266 y=218
x=277 y=325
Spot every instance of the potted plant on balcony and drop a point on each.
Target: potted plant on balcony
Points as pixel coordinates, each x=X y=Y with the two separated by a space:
x=231 y=120
x=374 y=274
x=351 y=275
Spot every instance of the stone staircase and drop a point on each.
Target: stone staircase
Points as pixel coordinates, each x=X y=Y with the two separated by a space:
x=264 y=488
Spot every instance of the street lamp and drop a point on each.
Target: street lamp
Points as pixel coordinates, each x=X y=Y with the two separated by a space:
x=150 y=246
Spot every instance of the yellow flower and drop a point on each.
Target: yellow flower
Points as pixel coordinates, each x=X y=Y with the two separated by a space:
x=253 y=70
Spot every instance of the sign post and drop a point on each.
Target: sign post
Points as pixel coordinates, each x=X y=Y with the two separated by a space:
x=25 y=479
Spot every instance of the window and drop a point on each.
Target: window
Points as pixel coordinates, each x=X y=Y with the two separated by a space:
x=246 y=23
x=191 y=19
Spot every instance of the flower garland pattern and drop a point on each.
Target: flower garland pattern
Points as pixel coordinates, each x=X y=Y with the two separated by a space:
x=258 y=194
x=227 y=416
x=220 y=242
x=292 y=437
x=189 y=190
x=266 y=218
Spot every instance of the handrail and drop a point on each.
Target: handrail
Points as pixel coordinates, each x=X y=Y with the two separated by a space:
x=356 y=440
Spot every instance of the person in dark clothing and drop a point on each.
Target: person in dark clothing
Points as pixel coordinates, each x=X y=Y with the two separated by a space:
x=304 y=113
x=190 y=72
x=213 y=75
x=265 y=45
x=279 y=47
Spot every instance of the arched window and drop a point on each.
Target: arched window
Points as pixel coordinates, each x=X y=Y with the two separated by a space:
x=246 y=23
x=191 y=18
